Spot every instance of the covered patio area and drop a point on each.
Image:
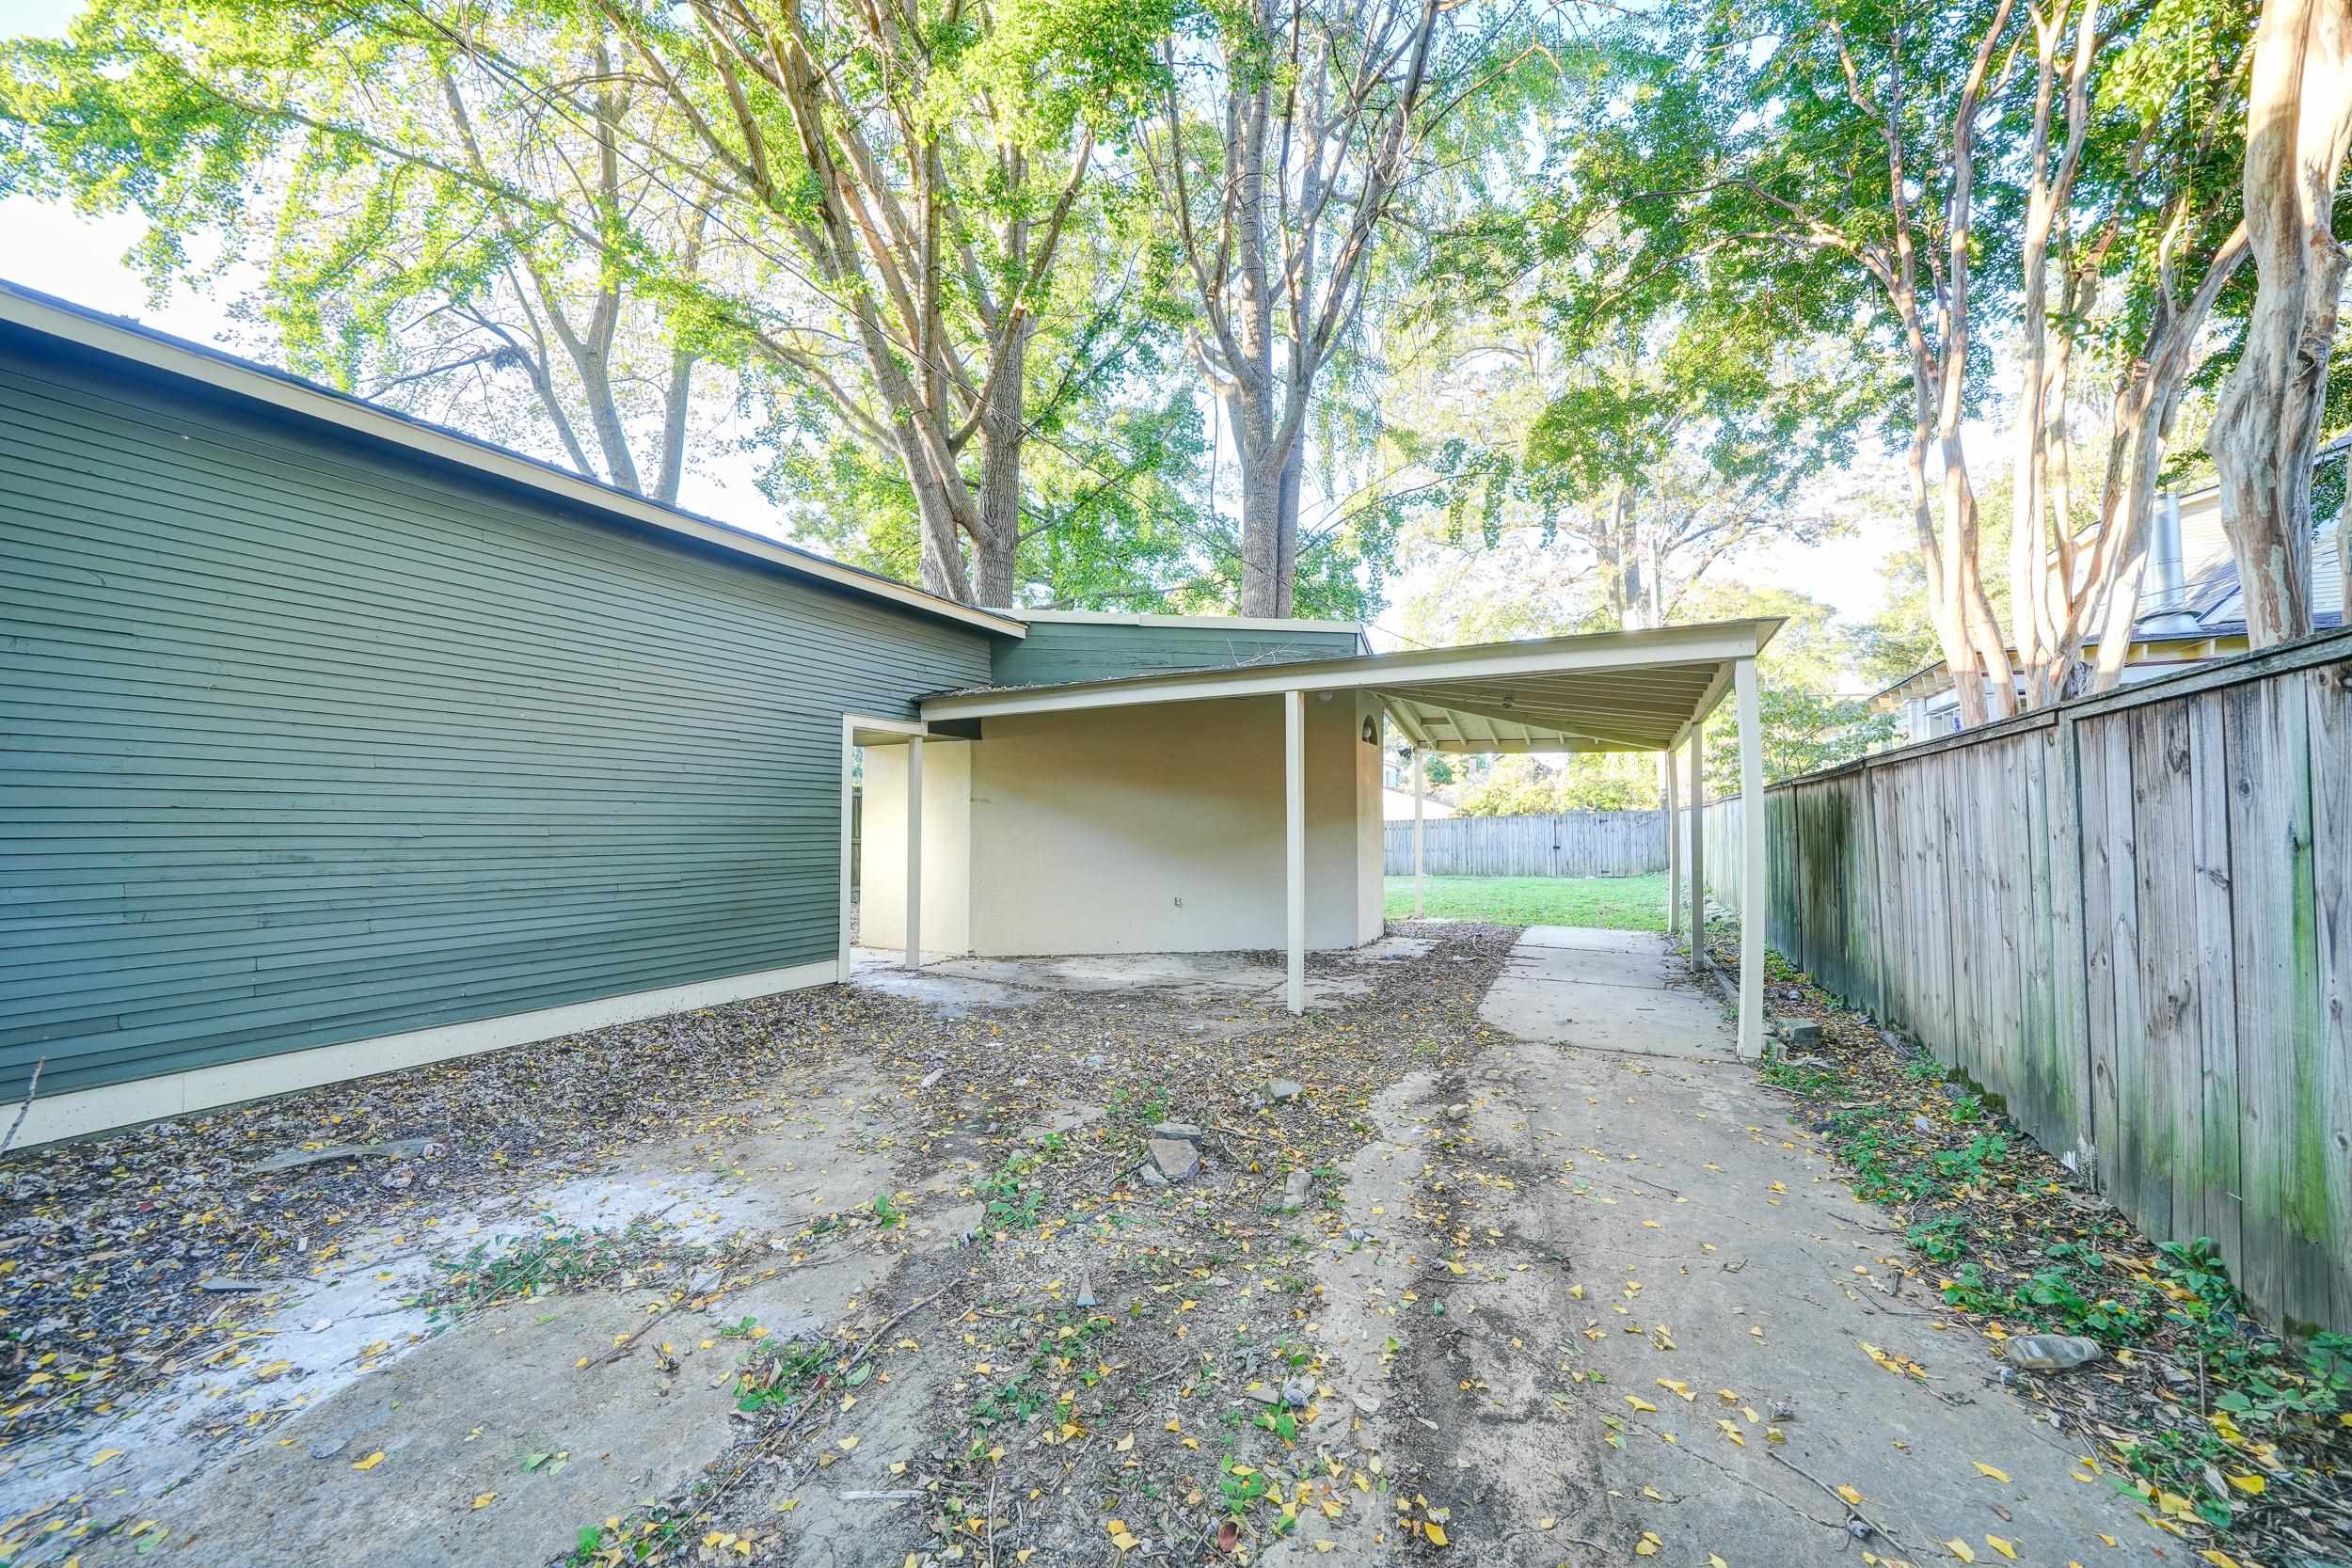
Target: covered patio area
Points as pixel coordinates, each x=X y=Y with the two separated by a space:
x=1126 y=802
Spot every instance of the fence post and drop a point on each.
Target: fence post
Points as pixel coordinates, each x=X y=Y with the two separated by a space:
x=2070 y=958
x=1866 y=790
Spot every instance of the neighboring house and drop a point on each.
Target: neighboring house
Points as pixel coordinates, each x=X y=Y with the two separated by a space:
x=2191 y=610
x=338 y=742
x=1397 y=805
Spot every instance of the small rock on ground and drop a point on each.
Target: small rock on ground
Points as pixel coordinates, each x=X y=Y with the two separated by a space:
x=1174 y=1158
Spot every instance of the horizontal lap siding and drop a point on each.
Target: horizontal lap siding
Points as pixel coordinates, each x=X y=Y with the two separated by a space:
x=303 y=743
x=1056 y=652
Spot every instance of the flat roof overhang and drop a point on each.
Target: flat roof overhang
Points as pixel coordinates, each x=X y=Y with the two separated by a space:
x=1600 y=691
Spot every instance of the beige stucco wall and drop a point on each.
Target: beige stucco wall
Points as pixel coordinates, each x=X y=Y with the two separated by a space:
x=1128 y=830
x=946 y=847
x=1160 y=829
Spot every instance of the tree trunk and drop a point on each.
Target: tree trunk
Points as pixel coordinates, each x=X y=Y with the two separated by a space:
x=1263 y=592
x=997 y=546
x=996 y=553
x=1951 y=632
x=1261 y=539
x=596 y=379
x=1286 y=527
x=2265 y=427
x=1628 y=587
x=676 y=400
x=1962 y=582
x=936 y=512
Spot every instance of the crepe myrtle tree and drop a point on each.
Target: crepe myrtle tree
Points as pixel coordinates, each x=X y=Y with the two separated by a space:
x=2267 y=426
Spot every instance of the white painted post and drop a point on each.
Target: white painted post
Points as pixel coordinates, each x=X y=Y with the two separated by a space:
x=915 y=852
x=1752 y=892
x=1294 y=841
x=1419 y=784
x=1674 y=854
x=849 y=799
x=1698 y=843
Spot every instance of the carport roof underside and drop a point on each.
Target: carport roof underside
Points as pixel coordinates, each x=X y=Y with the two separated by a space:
x=1603 y=692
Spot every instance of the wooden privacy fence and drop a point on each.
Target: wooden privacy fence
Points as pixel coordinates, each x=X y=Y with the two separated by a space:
x=2130 y=918
x=1576 y=844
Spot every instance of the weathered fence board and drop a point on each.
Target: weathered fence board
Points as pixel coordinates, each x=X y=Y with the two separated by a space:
x=1576 y=844
x=2130 y=920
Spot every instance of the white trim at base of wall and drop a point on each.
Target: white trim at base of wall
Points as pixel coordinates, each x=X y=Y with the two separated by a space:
x=200 y=1089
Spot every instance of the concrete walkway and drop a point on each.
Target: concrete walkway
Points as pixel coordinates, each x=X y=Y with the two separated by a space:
x=1604 y=990
x=1719 y=1334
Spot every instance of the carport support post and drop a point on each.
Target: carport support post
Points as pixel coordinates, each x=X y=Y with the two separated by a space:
x=1752 y=899
x=915 y=852
x=1295 y=842
x=1698 y=845
x=1667 y=795
x=1419 y=786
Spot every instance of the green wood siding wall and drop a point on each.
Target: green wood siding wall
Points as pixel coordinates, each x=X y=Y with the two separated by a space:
x=1059 y=651
x=308 y=741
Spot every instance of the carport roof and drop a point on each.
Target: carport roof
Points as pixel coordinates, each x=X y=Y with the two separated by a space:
x=1602 y=692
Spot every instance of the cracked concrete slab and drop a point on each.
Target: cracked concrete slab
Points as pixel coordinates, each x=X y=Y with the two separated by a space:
x=1203 y=980
x=1593 y=939
x=1614 y=996
x=1596 y=966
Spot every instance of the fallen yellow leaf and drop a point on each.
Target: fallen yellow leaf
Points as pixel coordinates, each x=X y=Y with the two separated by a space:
x=102 y=1455
x=1437 y=1534
x=1982 y=1468
x=1853 y=1498
x=2001 y=1546
x=2251 y=1484
x=485 y=1499
x=370 y=1463
x=1960 y=1549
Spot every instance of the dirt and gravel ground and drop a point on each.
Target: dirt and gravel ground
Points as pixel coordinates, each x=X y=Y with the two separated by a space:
x=881 y=1276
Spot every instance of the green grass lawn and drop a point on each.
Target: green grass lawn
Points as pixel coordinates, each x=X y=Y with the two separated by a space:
x=1618 y=903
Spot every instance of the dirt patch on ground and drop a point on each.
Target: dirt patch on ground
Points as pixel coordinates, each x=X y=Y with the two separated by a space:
x=546 y=1285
